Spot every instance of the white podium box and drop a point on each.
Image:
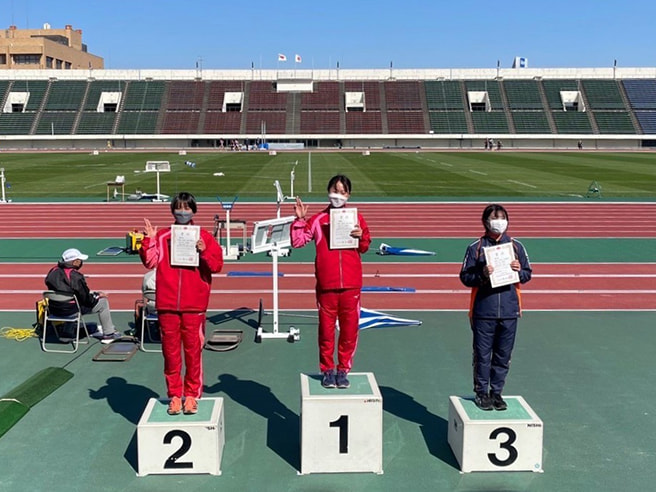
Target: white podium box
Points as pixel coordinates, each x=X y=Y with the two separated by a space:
x=177 y=444
x=509 y=440
x=341 y=429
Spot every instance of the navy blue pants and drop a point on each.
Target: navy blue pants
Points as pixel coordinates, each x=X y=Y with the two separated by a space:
x=493 y=344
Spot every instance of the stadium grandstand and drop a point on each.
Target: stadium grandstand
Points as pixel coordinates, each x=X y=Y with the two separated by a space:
x=525 y=108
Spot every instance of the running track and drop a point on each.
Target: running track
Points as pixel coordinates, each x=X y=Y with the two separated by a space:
x=554 y=286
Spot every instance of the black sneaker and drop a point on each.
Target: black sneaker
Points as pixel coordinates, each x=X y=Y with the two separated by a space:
x=483 y=401
x=328 y=380
x=341 y=380
x=498 y=403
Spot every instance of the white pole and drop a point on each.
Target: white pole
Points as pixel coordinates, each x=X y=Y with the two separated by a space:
x=157 y=172
x=228 y=232
x=274 y=254
x=309 y=172
x=2 y=181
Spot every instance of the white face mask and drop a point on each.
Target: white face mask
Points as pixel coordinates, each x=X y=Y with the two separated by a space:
x=337 y=200
x=498 y=226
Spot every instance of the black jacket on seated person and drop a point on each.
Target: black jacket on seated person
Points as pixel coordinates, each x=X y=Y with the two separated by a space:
x=68 y=280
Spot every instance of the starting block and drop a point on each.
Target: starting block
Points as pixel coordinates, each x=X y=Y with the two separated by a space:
x=509 y=440
x=341 y=429
x=181 y=444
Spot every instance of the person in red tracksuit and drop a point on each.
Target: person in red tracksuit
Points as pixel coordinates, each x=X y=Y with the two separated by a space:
x=181 y=300
x=339 y=281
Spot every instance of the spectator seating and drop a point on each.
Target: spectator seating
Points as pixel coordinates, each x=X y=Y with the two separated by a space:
x=530 y=122
x=137 y=123
x=94 y=123
x=486 y=122
x=647 y=120
x=318 y=122
x=217 y=122
x=614 y=122
x=177 y=122
x=65 y=95
x=602 y=94
x=641 y=93
x=364 y=123
x=523 y=94
x=444 y=95
x=325 y=97
x=144 y=95
x=448 y=122
x=572 y=122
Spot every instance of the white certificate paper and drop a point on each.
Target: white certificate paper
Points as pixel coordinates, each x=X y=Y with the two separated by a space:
x=183 y=245
x=342 y=222
x=499 y=257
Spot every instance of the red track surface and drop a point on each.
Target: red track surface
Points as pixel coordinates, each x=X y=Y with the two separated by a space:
x=410 y=220
x=554 y=286
x=437 y=286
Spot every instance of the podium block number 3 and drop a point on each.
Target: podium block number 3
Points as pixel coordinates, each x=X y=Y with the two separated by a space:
x=342 y=424
x=172 y=461
x=506 y=445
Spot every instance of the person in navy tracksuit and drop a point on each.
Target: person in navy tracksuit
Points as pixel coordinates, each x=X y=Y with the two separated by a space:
x=493 y=311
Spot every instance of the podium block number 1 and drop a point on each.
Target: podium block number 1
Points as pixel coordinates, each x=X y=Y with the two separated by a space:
x=172 y=461
x=342 y=424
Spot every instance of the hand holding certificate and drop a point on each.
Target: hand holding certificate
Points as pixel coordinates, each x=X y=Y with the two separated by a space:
x=499 y=258
x=183 y=245
x=342 y=223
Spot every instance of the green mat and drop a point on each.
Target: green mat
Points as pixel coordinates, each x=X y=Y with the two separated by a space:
x=19 y=400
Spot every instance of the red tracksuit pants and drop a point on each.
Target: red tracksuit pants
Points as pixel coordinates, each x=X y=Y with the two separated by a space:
x=183 y=332
x=342 y=305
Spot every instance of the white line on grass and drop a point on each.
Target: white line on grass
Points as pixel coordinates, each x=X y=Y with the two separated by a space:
x=477 y=172
x=521 y=183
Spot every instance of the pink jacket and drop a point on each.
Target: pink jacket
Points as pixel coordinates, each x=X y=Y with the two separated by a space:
x=181 y=289
x=334 y=268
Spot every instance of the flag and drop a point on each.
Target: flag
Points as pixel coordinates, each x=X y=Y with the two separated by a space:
x=281 y=57
x=297 y=58
x=386 y=249
x=376 y=319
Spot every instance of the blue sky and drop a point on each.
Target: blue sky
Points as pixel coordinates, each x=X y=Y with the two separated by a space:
x=164 y=34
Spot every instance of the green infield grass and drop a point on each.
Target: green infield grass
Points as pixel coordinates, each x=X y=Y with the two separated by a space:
x=380 y=175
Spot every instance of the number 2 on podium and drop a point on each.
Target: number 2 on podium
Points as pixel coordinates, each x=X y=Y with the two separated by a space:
x=342 y=424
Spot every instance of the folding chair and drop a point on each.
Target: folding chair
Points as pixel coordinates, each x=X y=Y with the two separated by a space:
x=148 y=316
x=55 y=300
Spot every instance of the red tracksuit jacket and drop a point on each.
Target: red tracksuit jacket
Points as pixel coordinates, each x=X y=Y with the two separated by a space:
x=181 y=289
x=335 y=268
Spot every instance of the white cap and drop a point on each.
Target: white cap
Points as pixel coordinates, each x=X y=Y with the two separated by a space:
x=73 y=254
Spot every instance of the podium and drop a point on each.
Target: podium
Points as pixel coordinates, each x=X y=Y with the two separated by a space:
x=509 y=440
x=341 y=429
x=181 y=444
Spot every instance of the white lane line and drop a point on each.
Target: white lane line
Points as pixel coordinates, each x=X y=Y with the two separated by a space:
x=521 y=183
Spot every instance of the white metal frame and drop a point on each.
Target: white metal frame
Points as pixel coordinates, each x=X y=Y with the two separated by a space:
x=76 y=318
x=273 y=236
x=147 y=316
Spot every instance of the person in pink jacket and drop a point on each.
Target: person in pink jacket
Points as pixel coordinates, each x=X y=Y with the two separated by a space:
x=181 y=300
x=339 y=281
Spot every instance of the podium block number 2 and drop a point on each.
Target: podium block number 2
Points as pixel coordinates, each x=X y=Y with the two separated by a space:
x=172 y=461
x=506 y=445
x=342 y=424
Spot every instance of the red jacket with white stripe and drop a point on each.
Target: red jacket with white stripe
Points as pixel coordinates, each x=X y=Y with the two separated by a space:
x=180 y=288
x=334 y=268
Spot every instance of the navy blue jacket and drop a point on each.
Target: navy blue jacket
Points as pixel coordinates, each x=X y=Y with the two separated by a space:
x=487 y=302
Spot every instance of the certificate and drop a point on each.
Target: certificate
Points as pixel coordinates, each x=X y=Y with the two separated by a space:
x=342 y=222
x=499 y=257
x=183 y=245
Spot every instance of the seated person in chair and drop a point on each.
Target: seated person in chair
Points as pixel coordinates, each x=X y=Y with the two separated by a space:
x=145 y=305
x=66 y=278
